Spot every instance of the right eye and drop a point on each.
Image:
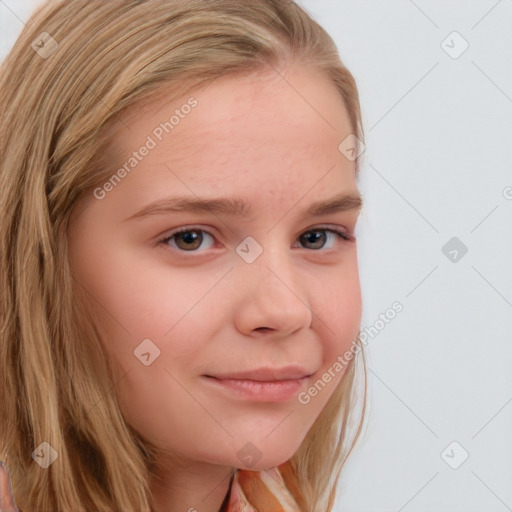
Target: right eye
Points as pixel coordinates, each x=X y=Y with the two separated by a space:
x=186 y=239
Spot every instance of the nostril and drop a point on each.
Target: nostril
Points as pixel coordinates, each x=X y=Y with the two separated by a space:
x=263 y=329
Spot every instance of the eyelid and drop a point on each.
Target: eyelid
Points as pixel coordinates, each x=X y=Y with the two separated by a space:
x=332 y=227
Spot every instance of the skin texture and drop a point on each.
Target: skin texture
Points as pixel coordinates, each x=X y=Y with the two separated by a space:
x=274 y=143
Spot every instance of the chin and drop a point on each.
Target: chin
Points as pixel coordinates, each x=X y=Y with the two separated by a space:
x=249 y=457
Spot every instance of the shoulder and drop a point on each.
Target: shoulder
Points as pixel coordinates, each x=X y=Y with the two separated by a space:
x=7 y=502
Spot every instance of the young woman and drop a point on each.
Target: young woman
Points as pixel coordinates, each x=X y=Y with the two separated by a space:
x=180 y=299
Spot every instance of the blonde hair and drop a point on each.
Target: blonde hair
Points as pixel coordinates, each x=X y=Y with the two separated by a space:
x=56 y=106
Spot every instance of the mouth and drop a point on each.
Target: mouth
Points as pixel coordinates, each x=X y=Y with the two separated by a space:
x=267 y=374
x=261 y=384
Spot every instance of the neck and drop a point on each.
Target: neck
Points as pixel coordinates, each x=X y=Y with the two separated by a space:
x=189 y=487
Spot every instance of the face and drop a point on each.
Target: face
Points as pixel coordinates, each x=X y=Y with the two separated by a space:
x=227 y=301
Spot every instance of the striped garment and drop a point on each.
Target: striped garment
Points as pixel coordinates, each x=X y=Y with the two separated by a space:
x=261 y=491
x=250 y=491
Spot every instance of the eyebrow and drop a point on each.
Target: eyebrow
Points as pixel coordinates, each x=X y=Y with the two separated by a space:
x=238 y=207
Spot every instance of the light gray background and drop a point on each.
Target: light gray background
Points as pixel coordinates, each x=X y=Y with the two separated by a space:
x=437 y=165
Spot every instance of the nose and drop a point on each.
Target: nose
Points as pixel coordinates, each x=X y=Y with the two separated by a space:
x=270 y=299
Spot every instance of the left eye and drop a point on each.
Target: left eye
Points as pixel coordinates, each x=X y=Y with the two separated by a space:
x=189 y=239
x=319 y=237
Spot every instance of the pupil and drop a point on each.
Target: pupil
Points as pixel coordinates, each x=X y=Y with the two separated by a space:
x=316 y=238
x=191 y=238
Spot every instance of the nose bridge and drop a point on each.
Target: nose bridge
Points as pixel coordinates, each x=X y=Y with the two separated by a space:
x=273 y=267
x=274 y=298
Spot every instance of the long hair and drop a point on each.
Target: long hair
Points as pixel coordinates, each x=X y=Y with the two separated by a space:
x=75 y=67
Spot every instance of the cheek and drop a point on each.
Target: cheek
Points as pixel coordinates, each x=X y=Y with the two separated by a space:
x=134 y=297
x=338 y=325
x=179 y=311
x=338 y=309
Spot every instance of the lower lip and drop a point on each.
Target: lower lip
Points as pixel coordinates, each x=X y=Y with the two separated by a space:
x=259 y=391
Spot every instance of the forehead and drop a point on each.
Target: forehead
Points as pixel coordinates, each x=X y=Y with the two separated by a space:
x=244 y=131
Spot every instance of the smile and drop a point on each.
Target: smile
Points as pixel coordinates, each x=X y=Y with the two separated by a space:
x=258 y=390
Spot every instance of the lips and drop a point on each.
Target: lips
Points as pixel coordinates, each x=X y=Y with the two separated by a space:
x=265 y=384
x=266 y=374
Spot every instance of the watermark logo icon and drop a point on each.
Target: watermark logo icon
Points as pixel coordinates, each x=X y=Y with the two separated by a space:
x=454 y=249
x=454 y=455
x=454 y=45
x=249 y=250
x=44 y=45
x=249 y=455
x=45 y=455
x=351 y=147
x=146 y=352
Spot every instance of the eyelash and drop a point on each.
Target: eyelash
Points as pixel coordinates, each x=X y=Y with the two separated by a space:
x=165 y=240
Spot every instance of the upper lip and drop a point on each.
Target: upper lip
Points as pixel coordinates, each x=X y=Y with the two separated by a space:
x=267 y=374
